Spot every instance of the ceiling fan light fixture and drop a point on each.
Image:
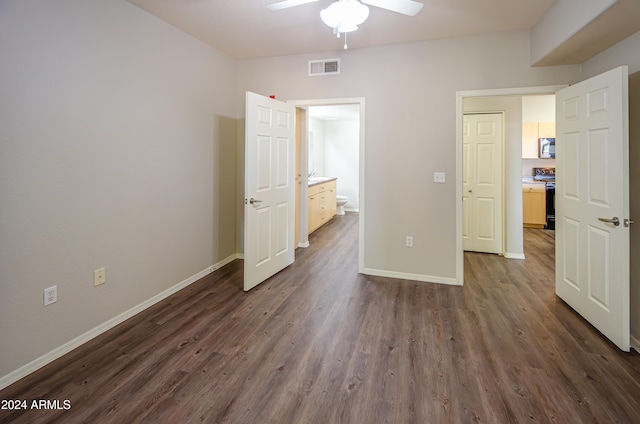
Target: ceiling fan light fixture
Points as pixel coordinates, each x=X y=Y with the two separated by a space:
x=345 y=15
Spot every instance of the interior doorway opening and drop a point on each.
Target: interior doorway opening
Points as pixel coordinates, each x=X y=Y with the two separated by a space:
x=326 y=129
x=496 y=100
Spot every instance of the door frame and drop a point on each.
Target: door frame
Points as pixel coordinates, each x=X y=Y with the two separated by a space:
x=460 y=96
x=303 y=240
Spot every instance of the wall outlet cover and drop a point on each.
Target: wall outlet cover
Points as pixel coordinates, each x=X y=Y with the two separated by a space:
x=99 y=277
x=50 y=295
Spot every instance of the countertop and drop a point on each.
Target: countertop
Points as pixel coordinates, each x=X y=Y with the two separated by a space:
x=530 y=180
x=320 y=180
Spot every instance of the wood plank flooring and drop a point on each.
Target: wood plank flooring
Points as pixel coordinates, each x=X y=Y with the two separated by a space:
x=319 y=343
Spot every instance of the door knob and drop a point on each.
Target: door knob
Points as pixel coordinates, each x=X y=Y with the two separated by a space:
x=252 y=201
x=615 y=221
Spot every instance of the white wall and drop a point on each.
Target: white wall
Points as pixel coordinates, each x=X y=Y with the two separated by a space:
x=116 y=131
x=317 y=147
x=539 y=108
x=563 y=20
x=410 y=132
x=626 y=52
x=342 y=144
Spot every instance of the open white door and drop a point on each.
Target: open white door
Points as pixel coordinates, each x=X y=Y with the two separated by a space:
x=592 y=202
x=269 y=215
x=482 y=183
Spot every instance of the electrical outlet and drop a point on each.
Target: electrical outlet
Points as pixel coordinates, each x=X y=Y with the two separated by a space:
x=99 y=277
x=50 y=295
x=409 y=241
x=439 y=177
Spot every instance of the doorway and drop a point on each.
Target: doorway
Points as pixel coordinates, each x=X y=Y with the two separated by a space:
x=327 y=116
x=496 y=100
x=334 y=144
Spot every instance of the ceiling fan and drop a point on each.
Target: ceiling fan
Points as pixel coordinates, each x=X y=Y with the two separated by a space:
x=345 y=15
x=406 y=7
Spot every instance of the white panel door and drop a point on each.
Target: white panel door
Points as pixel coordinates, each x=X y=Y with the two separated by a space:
x=592 y=185
x=269 y=216
x=482 y=183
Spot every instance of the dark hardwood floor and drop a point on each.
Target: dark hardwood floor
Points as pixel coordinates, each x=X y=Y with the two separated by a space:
x=319 y=343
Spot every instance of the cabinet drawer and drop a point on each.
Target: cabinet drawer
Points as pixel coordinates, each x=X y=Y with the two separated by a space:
x=533 y=187
x=315 y=189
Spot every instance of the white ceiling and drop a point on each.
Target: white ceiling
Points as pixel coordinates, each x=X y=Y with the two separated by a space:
x=245 y=29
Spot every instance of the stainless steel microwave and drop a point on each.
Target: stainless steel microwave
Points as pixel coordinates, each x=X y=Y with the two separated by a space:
x=547 y=148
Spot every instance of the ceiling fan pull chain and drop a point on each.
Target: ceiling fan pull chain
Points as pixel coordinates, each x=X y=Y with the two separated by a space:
x=345 y=41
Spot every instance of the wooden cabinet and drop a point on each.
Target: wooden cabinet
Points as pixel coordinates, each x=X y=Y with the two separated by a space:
x=322 y=204
x=530 y=140
x=314 y=210
x=534 y=208
x=331 y=201
x=531 y=132
x=546 y=130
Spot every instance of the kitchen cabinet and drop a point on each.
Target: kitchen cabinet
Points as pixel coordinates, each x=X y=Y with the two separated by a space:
x=531 y=132
x=546 y=130
x=322 y=204
x=534 y=208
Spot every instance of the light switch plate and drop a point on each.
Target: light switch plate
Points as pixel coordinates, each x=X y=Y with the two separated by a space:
x=439 y=177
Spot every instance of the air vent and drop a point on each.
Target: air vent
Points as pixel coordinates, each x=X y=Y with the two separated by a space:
x=324 y=67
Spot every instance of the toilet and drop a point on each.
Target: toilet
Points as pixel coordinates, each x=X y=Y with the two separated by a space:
x=341 y=201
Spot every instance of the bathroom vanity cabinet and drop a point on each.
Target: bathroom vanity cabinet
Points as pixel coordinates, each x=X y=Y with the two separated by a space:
x=322 y=204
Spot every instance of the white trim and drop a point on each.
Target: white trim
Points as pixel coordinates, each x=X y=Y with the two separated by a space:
x=460 y=95
x=56 y=353
x=412 y=277
x=514 y=255
x=305 y=245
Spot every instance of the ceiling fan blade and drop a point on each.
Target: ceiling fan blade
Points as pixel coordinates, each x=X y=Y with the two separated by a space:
x=406 y=7
x=287 y=4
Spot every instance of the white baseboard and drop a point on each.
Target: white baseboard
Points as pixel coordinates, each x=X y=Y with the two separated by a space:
x=305 y=244
x=226 y=261
x=635 y=344
x=412 y=277
x=56 y=353
x=514 y=255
